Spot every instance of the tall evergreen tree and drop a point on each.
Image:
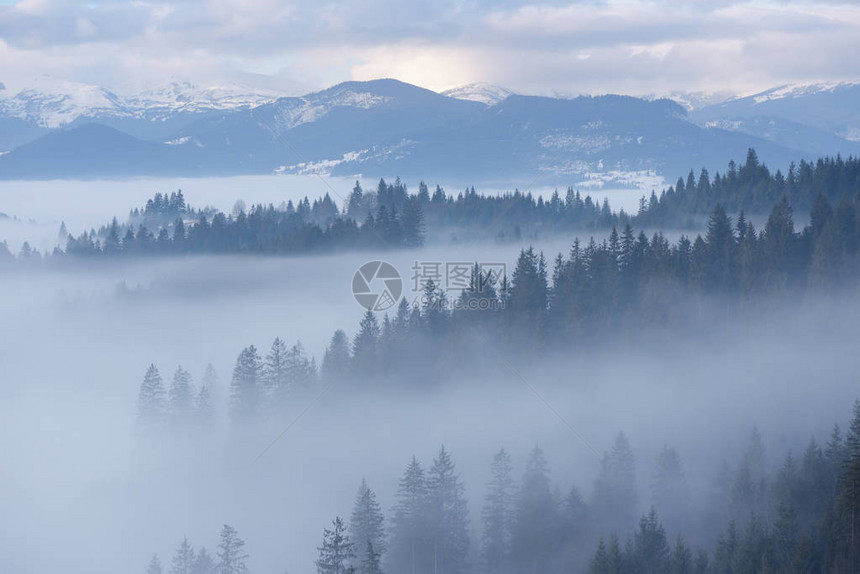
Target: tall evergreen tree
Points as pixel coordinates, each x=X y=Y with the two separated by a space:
x=181 y=399
x=409 y=551
x=449 y=515
x=370 y=564
x=651 y=551
x=151 y=400
x=497 y=514
x=184 y=559
x=154 y=566
x=244 y=387
x=231 y=552
x=614 y=498
x=274 y=375
x=337 y=358
x=367 y=523
x=364 y=346
x=670 y=492
x=204 y=563
x=336 y=551
x=534 y=528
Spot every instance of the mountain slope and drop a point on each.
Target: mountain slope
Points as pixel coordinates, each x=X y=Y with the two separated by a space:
x=94 y=151
x=829 y=107
x=384 y=128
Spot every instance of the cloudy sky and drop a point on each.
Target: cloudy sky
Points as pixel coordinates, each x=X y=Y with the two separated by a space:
x=629 y=46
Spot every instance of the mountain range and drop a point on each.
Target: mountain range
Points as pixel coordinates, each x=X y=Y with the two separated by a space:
x=382 y=128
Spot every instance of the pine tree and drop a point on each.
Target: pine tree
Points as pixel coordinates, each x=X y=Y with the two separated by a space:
x=600 y=561
x=301 y=371
x=244 y=392
x=204 y=564
x=367 y=523
x=784 y=538
x=617 y=562
x=434 y=310
x=213 y=385
x=408 y=551
x=184 y=559
x=364 y=346
x=497 y=514
x=534 y=528
x=614 y=498
x=670 y=493
x=204 y=412
x=231 y=553
x=681 y=559
x=651 y=551
x=151 y=402
x=336 y=551
x=370 y=564
x=274 y=375
x=337 y=358
x=412 y=221
x=181 y=399
x=850 y=479
x=154 y=566
x=449 y=515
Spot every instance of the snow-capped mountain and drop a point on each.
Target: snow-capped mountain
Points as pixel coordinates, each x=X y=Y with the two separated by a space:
x=484 y=93
x=384 y=128
x=56 y=103
x=694 y=100
x=832 y=108
x=803 y=90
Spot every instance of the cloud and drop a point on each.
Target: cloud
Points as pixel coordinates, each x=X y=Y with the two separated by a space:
x=638 y=46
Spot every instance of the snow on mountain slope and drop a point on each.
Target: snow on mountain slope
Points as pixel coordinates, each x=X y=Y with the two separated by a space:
x=799 y=90
x=293 y=112
x=485 y=93
x=53 y=103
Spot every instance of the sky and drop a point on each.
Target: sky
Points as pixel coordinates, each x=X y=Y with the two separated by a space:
x=639 y=47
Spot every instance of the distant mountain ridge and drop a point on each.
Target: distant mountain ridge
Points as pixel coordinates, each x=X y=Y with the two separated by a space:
x=474 y=134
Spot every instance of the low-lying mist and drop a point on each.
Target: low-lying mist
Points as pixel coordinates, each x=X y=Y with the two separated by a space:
x=83 y=489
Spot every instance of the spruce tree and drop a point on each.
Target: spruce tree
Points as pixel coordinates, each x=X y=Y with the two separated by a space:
x=181 y=400
x=204 y=563
x=614 y=497
x=244 y=387
x=184 y=559
x=497 y=514
x=670 y=493
x=408 y=551
x=204 y=411
x=370 y=564
x=449 y=515
x=534 y=528
x=651 y=551
x=364 y=346
x=336 y=360
x=367 y=523
x=274 y=375
x=600 y=561
x=151 y=400
x=336 y=551
x=231 y=552
x=154 y=566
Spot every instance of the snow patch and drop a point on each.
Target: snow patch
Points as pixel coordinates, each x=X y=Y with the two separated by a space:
x=800 y=90
x=293 y=112
x=54 y=103
x=179 y=141
x=484 y=93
